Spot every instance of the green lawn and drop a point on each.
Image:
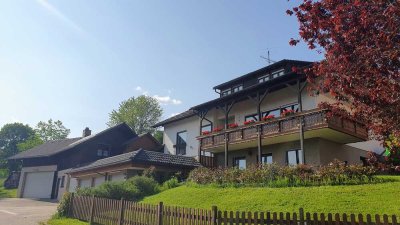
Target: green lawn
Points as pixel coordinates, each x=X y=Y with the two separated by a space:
x=372 y=198
x=6 y=193
x=64 y=221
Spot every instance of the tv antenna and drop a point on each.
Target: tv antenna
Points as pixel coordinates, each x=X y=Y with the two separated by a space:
x=268 y=59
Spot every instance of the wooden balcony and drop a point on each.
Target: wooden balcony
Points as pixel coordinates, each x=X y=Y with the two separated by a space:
x=316 y=124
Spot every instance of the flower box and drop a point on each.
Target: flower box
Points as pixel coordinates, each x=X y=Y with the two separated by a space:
x=249 y=122
x=287 y=112
x=269 y=117
x=233 y=125
x=206 y=132
x=217 y=129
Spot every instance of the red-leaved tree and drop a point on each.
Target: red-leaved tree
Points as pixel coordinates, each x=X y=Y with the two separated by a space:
x=360 y=40
x=361 y=43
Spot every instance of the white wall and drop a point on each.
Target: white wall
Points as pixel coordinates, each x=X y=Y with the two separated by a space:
x=240 y=111
x=192 y=126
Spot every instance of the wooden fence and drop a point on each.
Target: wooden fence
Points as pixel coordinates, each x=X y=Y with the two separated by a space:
x=120 y=212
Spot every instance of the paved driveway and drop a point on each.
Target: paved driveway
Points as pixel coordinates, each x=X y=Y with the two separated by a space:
x=17 y=211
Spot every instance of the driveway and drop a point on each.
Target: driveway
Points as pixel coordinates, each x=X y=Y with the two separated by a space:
x=17 y=211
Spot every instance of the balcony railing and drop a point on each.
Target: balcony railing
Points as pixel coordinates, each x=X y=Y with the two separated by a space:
x=313 y=119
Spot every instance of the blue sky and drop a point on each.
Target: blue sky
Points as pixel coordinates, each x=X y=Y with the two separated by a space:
x=76 y=60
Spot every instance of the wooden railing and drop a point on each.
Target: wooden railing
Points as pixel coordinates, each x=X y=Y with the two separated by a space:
x=208 y=161
x=313 y=119
x=120 y=212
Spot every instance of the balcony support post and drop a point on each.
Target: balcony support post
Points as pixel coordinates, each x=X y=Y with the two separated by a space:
x=258 y=100
x=300 y=89
x=202 y=114
x=226 y=108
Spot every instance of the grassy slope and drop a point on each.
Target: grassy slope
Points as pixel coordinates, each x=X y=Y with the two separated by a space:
x=7 y=193
x=64 y=221
x=373 y=198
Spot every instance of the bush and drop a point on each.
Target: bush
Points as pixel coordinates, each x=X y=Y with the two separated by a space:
x=171 y=183
x=134 y=189
x=272 y=175
x=63 y=207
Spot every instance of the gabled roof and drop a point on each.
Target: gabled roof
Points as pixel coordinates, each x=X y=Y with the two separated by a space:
x=180 y=116
x=259 y=72
x=141 y=156
x=54 y=147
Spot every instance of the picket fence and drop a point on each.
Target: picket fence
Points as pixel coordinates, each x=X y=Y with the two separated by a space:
x=120 y=212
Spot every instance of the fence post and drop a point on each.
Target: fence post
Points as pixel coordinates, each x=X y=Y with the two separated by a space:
x=214 y=215
x=70 y=208
x=160 y=213
x=91 y=211
x=301 y=216
x=121 y=212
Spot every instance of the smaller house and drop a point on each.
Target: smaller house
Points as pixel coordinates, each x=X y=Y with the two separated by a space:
x=127 y=165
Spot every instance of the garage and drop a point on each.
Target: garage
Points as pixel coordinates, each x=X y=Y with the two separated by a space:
x=38 y=185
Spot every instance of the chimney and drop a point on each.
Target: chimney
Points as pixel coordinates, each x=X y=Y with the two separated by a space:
x=86 y=132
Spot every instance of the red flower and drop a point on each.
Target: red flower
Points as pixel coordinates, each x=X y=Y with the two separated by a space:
x=268 y=117
x=217 y=129
x=287 y=112
x=249 y=122
x=233 y=125
x=206 y=132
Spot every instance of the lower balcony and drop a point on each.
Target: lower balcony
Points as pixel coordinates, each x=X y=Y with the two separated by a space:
x=316 y=123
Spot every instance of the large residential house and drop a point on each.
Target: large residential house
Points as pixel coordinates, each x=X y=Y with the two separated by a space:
x=115 y=154
x=264 y=116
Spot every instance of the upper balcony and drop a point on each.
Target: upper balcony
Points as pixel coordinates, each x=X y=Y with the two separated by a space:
x=316 y=123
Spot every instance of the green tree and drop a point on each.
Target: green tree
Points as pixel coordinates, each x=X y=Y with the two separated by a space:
x=139 y=113
x=158 y=135
x=31 y=142
x=10 y=136
x=51 y=130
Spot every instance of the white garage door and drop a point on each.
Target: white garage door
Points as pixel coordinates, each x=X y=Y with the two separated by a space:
x=38 y=185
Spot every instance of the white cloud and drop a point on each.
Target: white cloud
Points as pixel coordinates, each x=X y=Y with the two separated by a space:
x=138 y=88
x=53 y=10
x=167 y=100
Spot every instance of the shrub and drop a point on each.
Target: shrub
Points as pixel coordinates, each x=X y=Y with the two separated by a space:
x=63 y=207
x=171 y=183
x=134 y=189
x=272 y=175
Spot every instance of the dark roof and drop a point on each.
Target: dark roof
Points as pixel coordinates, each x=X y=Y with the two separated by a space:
x=47 y=149
x=142 y=156
x=180 y=116
x=54 y=147
x=263 y=70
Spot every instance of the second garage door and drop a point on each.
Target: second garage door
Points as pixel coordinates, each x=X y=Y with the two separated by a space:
x=38 y=185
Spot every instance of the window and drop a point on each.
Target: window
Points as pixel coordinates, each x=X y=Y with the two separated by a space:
x=100 y=152
x=237 y=88
x=226 y=92
x=266 y=158
x=278 y=73
x=275 y=112
x=62 y=181
x=294 y=157
x=181 y=138
x=294 y=107
x=263 y=79
x=239 y=162
x=251 y=117
x=105 y=153
x=221 y=122
x=207 y=127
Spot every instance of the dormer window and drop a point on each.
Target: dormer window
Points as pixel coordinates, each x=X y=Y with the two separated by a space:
x=278 y=73
x=237 y=88
x=226 y=92
x=263 y=79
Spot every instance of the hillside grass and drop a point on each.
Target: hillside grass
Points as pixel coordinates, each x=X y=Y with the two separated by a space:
x=380 y=198
x=64 y=221
x=6 y=193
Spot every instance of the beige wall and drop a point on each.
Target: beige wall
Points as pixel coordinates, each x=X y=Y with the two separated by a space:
x=192 y=126
x=317 y=152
